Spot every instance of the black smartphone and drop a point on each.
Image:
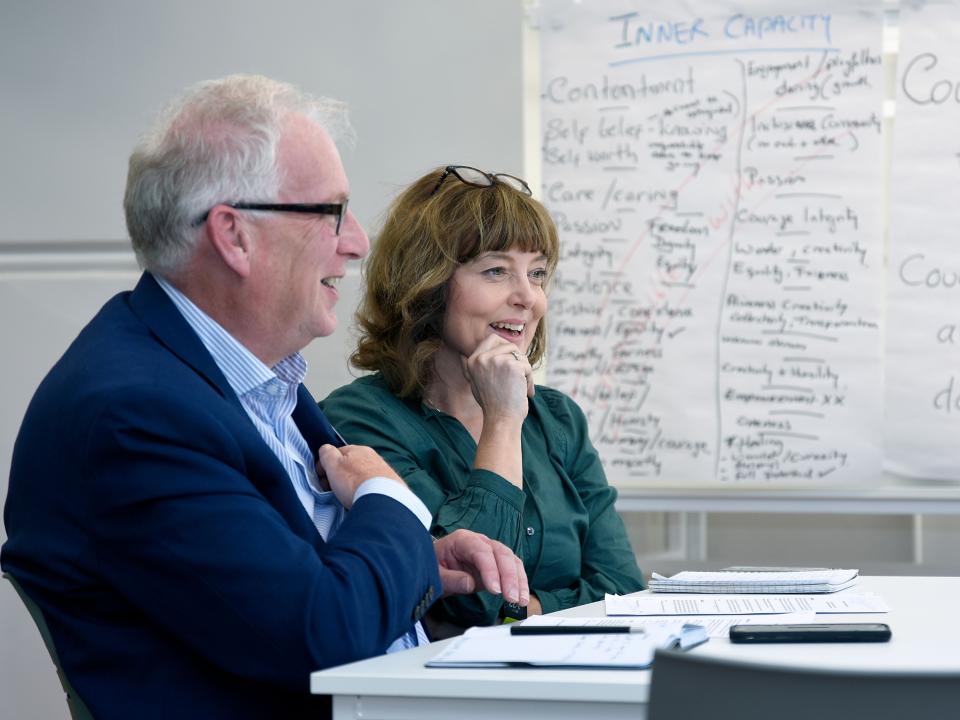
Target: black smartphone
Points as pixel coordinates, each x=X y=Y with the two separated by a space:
x=810 y=633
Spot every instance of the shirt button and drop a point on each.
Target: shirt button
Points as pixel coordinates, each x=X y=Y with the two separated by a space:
x=531 y=531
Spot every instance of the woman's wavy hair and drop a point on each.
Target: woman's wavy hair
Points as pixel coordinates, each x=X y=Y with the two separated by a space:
x=426 y=236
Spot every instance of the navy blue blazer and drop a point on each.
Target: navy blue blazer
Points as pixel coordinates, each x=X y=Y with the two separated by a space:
x=177 y=569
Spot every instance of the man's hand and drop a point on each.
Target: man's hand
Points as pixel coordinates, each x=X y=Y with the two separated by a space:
x=470 y=562
x=344 y=469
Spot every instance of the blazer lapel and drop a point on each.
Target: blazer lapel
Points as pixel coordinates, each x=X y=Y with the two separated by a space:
x=152 y=305
x=316 y=429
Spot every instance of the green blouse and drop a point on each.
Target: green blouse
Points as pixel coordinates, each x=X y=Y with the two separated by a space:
x=562 y=524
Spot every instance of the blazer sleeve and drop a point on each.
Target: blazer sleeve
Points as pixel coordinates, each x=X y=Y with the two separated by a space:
x=184 y=533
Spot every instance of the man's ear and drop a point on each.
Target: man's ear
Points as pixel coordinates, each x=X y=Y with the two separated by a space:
x=229 y=237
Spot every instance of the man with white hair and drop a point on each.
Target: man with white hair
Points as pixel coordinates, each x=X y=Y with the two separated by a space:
x=196 y=533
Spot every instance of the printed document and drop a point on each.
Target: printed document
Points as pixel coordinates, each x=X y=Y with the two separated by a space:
x=495 y=647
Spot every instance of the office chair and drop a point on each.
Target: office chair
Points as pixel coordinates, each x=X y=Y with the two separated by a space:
x=686 y=686
x=78 y=709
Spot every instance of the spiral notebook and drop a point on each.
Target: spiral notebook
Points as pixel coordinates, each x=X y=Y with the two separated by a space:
x=805 y=580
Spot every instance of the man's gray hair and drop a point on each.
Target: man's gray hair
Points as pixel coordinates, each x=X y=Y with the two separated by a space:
x=217 y=143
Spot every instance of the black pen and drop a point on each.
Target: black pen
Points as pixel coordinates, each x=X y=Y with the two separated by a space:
x=519 y=629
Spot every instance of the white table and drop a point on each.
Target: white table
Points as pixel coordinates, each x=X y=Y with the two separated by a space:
x=394 y=687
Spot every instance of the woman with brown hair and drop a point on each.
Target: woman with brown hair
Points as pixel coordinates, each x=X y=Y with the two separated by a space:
x=451 y=325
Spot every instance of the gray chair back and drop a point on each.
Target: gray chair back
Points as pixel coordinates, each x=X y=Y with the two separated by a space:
x=78 y=709
x=691 y=685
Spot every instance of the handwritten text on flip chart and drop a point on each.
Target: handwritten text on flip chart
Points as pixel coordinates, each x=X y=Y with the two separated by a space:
x=714 y=171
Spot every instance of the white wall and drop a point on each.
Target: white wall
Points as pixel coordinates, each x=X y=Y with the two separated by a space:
x=429 y=82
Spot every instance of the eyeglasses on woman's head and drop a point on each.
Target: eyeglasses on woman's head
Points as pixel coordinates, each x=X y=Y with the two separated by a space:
x=479 y=178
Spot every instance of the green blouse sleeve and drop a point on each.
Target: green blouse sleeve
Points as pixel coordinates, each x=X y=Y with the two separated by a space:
x=457 y=495
x=608 y=564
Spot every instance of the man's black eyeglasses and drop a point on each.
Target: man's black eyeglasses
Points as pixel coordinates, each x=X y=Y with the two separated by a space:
x=479 y=178
x=338 y=209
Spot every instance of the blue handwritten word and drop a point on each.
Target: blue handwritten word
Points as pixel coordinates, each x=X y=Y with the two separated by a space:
x=658 y=32
x=635 y=32
x=744 y=26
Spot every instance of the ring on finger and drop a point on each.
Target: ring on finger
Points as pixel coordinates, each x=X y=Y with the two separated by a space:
x=516 y=355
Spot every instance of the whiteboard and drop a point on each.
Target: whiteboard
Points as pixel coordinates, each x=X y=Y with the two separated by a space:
x=716 y=170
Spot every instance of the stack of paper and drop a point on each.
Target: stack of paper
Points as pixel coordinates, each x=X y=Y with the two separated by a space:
x=496 y=647
x=729 y=604
x=782 y=581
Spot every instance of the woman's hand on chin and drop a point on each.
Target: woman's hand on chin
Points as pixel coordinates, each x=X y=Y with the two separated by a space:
x=501 y=378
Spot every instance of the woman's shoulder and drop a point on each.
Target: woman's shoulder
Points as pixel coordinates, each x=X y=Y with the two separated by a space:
x=365 y=384
x=368 y=392
x=368 y=413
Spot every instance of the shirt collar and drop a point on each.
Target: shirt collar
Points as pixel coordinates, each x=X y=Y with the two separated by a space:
x=242 y=369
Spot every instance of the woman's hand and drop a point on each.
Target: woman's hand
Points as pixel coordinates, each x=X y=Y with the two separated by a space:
x=501 y=379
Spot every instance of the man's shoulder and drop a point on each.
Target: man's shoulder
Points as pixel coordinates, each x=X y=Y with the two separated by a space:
x=115 y=378
x=114 y=343
x=115 y=358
